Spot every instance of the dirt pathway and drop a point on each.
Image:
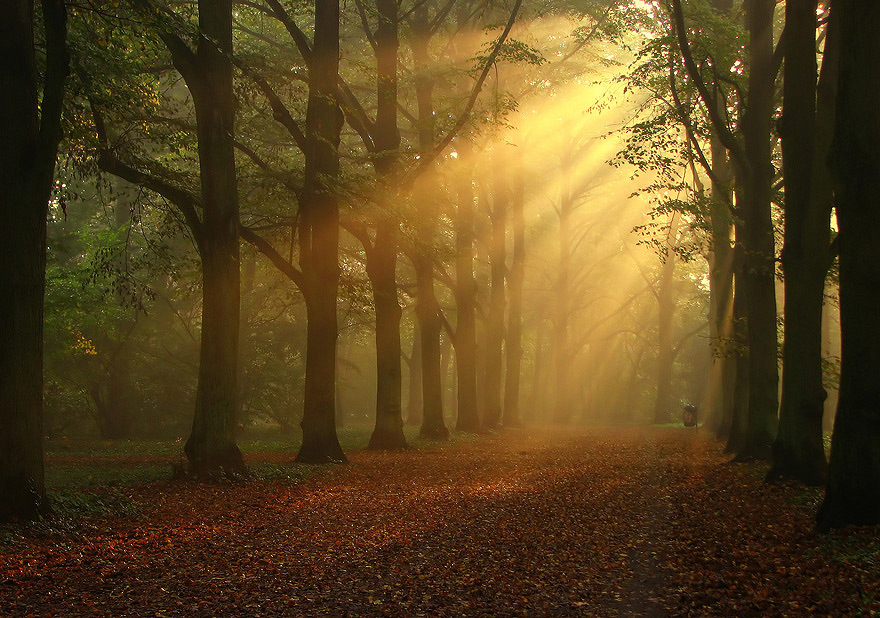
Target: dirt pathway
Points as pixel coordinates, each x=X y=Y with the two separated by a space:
x=593 y=522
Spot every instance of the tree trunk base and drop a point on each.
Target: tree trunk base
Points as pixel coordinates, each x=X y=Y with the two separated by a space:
x=387 y=439
x=220 y=464
x=434 y=431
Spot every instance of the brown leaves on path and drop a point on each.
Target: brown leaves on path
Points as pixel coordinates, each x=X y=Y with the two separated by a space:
x=586 y=522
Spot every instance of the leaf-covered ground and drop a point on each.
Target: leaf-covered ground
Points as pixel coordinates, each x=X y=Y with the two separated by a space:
x=586 y=522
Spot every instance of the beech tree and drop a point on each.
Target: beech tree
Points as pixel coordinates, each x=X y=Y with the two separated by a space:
x=852 y=495
x=807 y=121
x=211 y=216
x=750 y=153
x=30 y=123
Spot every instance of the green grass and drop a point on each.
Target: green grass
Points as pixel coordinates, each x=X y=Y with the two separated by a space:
x=87 y=477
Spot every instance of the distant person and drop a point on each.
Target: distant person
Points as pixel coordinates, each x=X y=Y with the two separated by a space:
x=690 y=415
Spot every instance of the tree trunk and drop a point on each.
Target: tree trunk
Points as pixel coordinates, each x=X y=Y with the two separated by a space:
x=561 y=352
x=514 y=317
x=495 y=318
x=663 y=403
x=739 y=420
x=30 y=129
x=382 y=267
x=319 y=241
x=759 y=267
x=466 y=301
x=799 y=452
x=853 y=491
x=720 y=413
x=427 y=307
x=382 y=260
x=414 y=404
x=211 y=446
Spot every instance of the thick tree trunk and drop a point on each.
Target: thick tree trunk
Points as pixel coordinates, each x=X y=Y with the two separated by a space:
x=495 y=318
x=211 y=446
x=427 y=307
x=466 y=302
x=516 y=276
x=319 y=241
x=28 y=147
x=853 y=491
x=381 y=267
x=798 y=452
x=382 y=259
x=428 y=313
x=759 y=268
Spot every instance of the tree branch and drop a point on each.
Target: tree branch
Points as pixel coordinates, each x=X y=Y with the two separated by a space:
x=429 y=158
x=298 y=36
x=265 y=247
x=725 y=135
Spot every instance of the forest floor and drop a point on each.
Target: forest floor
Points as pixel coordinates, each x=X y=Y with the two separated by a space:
x=532 y=522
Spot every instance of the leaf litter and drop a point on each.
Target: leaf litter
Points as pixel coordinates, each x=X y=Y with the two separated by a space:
x=533 y=522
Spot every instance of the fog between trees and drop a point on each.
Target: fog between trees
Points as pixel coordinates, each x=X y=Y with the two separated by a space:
x=455 y=215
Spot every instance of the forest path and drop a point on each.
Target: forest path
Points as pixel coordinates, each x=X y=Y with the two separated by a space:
x=573 y=522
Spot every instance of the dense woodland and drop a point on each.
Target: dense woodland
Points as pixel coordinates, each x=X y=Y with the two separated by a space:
x=223 y=217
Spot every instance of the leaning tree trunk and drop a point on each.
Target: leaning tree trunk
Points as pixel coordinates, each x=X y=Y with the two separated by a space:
x=211 y=446
x=799 y=452
x=853 y=491
x=319 y=241
x=30 y=129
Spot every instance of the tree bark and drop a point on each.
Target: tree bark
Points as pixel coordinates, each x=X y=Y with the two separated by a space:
x=382 y=270
x=723 y=375
x=427 y=307
x=853 y=490
x=211 y=446
x=319 y=241
x=561 y=352
x=382 y=259
x=30 y=129
x=736 y=438
x=798 y=452
x=663 y=403
x=495 y=318
x=414 y=405
x=516 y=276
x=759 y=258
x=466 y=300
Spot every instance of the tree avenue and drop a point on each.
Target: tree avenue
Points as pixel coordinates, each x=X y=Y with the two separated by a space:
x=244 y=217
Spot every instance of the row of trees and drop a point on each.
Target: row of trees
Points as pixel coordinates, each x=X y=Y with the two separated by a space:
x=287 y=136
x=715 y=71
